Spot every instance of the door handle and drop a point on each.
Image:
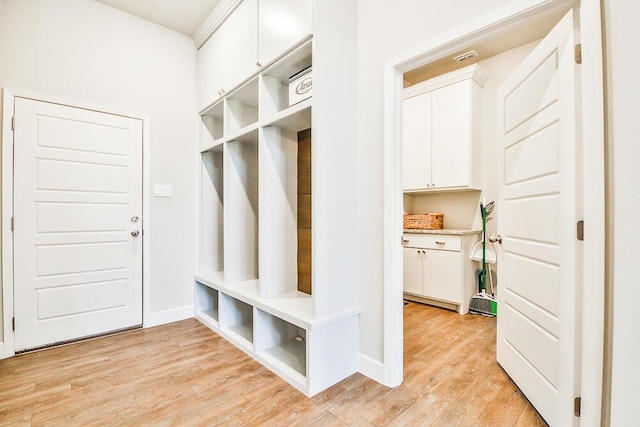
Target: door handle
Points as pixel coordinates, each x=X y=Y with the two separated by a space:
x=135 y=233
x=494 y=239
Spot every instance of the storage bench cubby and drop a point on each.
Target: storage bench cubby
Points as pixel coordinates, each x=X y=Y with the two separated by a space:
x=281 y=342
x=206 y=304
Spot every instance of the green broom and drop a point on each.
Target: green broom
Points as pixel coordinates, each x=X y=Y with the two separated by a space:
x=482 y=302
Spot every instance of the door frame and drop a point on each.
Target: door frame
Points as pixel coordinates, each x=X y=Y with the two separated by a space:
x=485 y=27
x=7 y=344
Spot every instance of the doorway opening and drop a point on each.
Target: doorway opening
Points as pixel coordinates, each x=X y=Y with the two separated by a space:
x=404 y=70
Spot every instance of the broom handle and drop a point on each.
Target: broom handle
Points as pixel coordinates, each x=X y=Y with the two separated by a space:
x=483 y=213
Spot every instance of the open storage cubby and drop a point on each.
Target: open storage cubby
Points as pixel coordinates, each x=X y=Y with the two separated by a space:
x=281 y=343
x=279 y=210
x=212 y=125
x=206 y=304
x=241 y=209
x=242 y=107
x=212 y=217
x=236 y=319
x=275 y=81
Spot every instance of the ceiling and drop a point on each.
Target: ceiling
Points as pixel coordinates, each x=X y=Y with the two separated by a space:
x=533 y=29
x=183 y=16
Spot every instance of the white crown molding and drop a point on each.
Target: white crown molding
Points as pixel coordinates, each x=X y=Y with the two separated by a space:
x=474 y=72
x=213 y=21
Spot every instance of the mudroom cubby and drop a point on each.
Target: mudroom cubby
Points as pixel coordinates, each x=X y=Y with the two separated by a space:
x=276 y=220
x=275 y=82
x=241 y=209
x=281 y=343
x=212 y=223
x=212 y=126
x=206 y=304
x=236 y=320
x=242 y=107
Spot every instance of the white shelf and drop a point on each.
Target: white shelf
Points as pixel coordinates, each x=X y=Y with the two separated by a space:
x=291 y=354
x=243 y=331
x=275 y=79
x=213 y=124
x=296 y=60
x=242 y=106
x=295 y=118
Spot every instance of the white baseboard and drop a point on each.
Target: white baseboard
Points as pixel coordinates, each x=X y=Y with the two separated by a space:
x=168 y=316
x=371 y=368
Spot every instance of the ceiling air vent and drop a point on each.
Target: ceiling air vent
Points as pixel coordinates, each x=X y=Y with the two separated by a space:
x=464 y=56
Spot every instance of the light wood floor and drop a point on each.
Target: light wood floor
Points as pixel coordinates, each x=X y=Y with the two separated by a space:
x=184 y=374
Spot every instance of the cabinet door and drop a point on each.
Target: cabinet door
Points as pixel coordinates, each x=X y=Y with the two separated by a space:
x=412 y=259
x=281 y=25
x=451 y=137
x=417 y=142
x=238 y=38
x=209 y=71
x=442 y=275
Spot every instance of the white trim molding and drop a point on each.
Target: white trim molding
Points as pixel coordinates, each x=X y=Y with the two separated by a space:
x=371 y=368
x=168 y=316
x=213 y=21
x=480 y=29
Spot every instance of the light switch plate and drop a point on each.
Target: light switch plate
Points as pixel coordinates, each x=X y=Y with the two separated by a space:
x=161 y=190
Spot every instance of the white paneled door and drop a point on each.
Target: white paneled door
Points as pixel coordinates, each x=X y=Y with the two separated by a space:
x=78 y=223
x=538 y=305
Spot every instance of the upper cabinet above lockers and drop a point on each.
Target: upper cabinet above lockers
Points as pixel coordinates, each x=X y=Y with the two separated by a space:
x=281 y=25
x=229 y=56
x=253 y=35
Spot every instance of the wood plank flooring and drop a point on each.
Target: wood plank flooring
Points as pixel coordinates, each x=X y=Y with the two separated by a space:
x=185 y=374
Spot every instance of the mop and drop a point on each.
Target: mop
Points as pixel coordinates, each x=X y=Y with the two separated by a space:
x=482 y=302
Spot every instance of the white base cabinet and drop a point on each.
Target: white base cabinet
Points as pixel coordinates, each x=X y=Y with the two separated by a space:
x=438 y=269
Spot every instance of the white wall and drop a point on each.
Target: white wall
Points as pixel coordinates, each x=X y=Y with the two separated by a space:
x=386 y=30
x=84 y=50
x=623 y=87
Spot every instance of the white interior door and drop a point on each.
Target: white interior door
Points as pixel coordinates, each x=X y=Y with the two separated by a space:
x=77 y=208
x=538 y=312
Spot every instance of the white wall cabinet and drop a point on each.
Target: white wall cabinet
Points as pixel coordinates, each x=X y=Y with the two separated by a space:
x=442 y=119
x=253 y=36
x=417 y=141
x=438 y=269
x=246 y=288
x=282 y=24
x=229 y=57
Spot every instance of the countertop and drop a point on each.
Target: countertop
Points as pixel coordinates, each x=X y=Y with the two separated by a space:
x=451 y=231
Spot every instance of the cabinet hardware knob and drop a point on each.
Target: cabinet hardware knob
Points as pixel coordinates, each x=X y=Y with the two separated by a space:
x=258 y=64
x=440 y=243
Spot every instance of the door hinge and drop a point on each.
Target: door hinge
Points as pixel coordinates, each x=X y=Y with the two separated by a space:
x=580 y=230
x=578 y=53
x=577 y=406
x=13 y=324
x=13 y=123
x=13 y=223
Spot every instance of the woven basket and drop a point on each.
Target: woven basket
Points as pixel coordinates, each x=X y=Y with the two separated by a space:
x=430 y=221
